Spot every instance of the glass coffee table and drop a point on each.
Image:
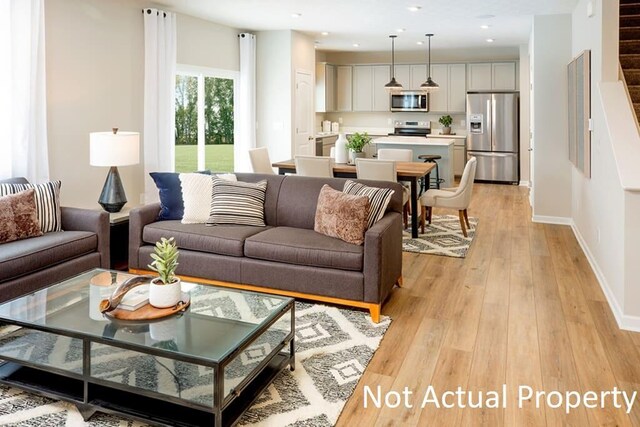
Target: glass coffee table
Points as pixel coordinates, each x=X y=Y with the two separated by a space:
x=204 y=366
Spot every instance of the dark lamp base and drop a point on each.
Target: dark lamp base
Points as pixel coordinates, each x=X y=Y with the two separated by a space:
x=112 y=198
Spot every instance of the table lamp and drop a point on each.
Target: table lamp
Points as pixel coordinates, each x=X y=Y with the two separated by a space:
x=113 y=149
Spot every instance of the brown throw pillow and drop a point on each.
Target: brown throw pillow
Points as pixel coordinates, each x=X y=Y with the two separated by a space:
x=342 y=215
x=18 y=219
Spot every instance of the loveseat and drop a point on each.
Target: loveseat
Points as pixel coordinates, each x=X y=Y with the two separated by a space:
x=287 y=256
x=34 y=263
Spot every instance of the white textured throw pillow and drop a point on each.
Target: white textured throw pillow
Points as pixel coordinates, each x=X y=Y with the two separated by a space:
x=228 y=176
x=196 y=195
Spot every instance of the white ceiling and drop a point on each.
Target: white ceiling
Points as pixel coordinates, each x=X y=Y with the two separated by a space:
x=455 y=23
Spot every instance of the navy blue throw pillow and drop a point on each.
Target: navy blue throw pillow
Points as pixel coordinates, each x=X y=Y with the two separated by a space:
x=170 y=192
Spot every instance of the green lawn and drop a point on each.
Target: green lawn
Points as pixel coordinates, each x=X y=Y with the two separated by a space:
x=218 y=158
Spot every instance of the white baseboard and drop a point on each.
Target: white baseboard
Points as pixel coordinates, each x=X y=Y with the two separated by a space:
x=560 y=220
x=629 y=323
x=524 y=183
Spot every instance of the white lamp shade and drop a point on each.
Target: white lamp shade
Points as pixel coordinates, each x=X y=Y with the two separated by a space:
x=114 y=149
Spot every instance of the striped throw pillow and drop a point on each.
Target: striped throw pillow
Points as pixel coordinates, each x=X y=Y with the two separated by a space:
x=238 y=203
x=47 y=197
x=378 y=197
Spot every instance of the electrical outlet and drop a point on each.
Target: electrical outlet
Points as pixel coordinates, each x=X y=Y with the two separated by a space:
x=389 y=121
x=340 y=120
x=463 y=123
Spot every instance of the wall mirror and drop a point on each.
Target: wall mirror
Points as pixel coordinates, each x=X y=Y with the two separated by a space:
x=579 y=83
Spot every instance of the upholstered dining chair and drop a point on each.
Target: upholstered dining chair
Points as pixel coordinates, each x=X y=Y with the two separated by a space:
x=397 y=154
x=383 y=170
x=451 y=198
x=260 y=162
x=317 y=166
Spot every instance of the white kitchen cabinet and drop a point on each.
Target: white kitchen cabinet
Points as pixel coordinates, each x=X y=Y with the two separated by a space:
x=344 y=88
x=479 y=77
x=457 y=90
x=369 y=93
x=418 y=76
x=403 y=76
x=459 y=160
x=325 y=87
x=381 y=76
x=362 y=88
x=439 y=99
x=503 y=76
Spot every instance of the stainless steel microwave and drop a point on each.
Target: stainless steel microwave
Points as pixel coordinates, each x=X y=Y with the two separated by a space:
x=410 y=101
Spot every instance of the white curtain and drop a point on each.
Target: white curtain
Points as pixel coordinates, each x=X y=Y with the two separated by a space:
x=23 y=103
x=159 y=98
x=246 y=109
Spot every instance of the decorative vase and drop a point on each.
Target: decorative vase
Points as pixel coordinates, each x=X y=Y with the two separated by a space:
x=342 y=154
x=355 y=156
x=446 y=130
x=163 y=296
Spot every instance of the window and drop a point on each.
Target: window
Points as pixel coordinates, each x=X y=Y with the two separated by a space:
x=205 y=122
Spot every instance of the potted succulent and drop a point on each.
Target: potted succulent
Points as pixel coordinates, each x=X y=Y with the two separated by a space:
x=446 y=121
x=165 y=290
x=356 y=144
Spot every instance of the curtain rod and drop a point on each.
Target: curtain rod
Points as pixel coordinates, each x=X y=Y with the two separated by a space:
x=157 y=12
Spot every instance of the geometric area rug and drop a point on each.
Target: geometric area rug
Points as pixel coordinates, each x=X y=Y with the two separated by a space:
x=442 y=237
x=333 y=348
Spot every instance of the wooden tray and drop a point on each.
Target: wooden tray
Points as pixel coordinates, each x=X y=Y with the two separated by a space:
x=149 y=312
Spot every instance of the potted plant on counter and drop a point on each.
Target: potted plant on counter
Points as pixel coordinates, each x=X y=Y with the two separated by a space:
x=446 y=121
x=356 y=144
x=165 y=290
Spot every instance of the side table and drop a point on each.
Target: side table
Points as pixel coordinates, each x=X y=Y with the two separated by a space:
x=119 y=237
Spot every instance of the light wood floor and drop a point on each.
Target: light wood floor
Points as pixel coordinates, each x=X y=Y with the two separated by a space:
x=524 y=308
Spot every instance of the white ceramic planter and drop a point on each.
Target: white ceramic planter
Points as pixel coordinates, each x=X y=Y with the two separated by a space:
x=163 y=296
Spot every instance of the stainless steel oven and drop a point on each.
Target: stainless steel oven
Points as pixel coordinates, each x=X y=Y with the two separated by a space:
x=410 y=101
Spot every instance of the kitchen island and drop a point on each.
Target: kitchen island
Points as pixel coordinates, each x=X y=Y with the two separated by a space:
x=421 y=145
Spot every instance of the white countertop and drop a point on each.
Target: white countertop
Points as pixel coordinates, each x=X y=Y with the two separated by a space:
x=413 y=140
x=437 y=135
x=326 y=134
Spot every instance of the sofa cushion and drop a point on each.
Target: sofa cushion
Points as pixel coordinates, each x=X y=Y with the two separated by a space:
x=170 y=194
x=304 y=247
x=47 y=197
x=26 y=256
x=237 y=203
x=18 y=219
x=341 y=215
x=379 y=198
x=221 y=239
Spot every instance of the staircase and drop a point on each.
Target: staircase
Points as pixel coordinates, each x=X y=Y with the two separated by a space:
x=630 y=48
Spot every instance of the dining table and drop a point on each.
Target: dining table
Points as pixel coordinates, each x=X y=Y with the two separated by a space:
x=406 y=172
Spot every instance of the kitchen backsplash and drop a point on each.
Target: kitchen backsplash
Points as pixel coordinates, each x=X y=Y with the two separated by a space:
x=386 y=120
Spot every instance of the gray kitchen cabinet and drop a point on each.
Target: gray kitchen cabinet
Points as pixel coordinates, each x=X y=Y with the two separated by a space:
x=503 y=76
x=418 y=76
x=325 y=88
x=369 y=93
x=439 y=99
x=344 y=95
x=459 y=159
x=403 y=76
x=491 y=76
x=457 y=93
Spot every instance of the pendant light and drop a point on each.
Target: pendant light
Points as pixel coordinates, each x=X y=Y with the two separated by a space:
x=393 y=85
x=429 y=85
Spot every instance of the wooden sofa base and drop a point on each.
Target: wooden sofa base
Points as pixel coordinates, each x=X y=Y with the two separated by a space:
x=374 y=309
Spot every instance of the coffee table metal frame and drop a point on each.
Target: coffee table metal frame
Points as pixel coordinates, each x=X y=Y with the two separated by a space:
x=143 y=404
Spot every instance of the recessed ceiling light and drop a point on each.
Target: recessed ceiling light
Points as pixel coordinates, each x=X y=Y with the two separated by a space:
x=490 y=40
x=414 y=8
x=485 y=26
x=356 y=45
x=401 y=30
x=296 y=15
x=325 y=33
x=420 y=42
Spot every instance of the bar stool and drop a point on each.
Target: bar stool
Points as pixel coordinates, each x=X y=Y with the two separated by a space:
x=431 y=158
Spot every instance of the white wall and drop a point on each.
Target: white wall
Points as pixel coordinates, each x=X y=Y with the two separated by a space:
x=604 y=215
x=95 y=70
x=274 y=92
x=524 y=112
x=552 y=51
x=95 y=73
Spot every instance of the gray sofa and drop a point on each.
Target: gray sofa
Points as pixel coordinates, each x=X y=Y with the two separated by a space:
x=31 y=264
x=286 y=257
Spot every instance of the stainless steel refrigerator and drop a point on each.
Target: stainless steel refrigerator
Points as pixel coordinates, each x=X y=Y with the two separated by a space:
x=492 y=136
